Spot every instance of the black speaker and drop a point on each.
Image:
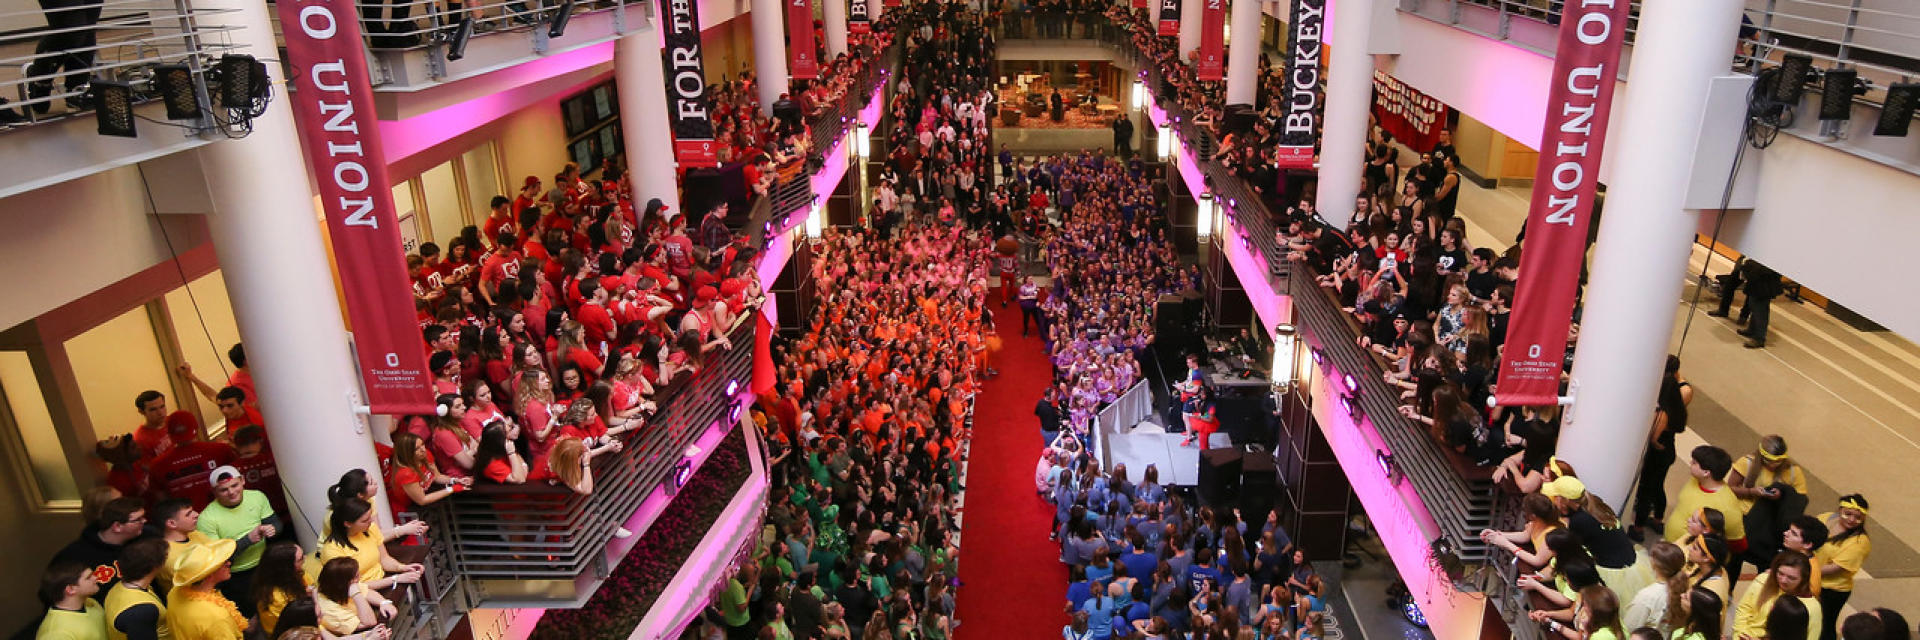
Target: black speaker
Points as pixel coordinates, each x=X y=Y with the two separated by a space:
x=1836 y=94
x=175 y=83
x=1219 y=476
x=112 y=108
x=1795 y=68
x=1259 y=484
x=1896 y=115
x=1169 y=314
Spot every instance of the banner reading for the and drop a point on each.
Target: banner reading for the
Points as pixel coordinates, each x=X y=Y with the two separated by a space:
x=1212 y=65
x=1578 y=105
x=335 y=114
x=803 y=62
x=1169 y=18
x=857 y=17
x=687 y=104
x=1298 y=129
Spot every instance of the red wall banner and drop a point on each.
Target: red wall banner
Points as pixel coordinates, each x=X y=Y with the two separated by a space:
x=1578 y=104
x=1213 y=41
x=1141 y=4
x=334 y=111
x=1412 y=117
x=803 y=62
x=1169 y=18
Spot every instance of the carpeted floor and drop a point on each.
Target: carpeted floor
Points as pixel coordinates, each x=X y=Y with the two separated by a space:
x=1015 y=586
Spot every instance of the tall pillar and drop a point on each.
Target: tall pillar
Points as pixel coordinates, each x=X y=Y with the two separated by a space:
x=874 y=7
x=1190 y=12
x=1640 y=257
x=266 y=234
x=769 y=51
x=835 y=15
x=1243 y=53
x=643 y=112
x=1343 y=142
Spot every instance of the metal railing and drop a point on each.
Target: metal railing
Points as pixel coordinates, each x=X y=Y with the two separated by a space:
x=45 y=74
x=1531 y=23
x=540 y=532
x=406 y=24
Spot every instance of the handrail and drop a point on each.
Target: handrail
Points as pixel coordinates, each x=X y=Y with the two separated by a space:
x=125 y=45
x=540 y=532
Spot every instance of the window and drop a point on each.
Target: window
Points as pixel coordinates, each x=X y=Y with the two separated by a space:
x=114 y=362
x=44 y=471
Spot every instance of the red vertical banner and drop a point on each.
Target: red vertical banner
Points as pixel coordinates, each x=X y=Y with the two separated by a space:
x=1213 y=41
x=1141 y=4
x=891 y=3
x=335 y=115
x=1169 y=18
x=803 y=61
x=1578 y=105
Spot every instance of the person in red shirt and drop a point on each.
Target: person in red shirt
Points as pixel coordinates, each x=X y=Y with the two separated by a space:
x=502 y=265
x=499 y=218
x=446 y=372
x=529 y=196
x=151 y=438
x=235 y=404
x=679 y=249
x=182 y=472
x=594 y=316
x=254 y=458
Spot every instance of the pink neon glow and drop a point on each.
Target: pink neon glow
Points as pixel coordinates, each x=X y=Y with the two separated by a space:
x=1398 y=512
x=1401 y=518
x=1250 y=268
x=403 y=138
x=780 y=245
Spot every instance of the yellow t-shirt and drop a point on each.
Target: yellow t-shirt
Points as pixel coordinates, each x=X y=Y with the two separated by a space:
x=1850 y=554
x=270 y=613
x=89 y=623
x=365 y=550
x=1793 y=476
x=202 y=618
x=1691 y=498
x=122 y=597
x=341 y=619
x=1750 y=616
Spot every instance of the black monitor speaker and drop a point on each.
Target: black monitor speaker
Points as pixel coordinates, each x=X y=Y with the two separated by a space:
x=1896 y=115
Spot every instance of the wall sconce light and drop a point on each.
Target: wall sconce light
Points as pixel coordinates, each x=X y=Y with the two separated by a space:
x=814 y=220
x=1282 y=373
x=1203 y=222
x=862 y=141
x=1139 y=95
x=1164 y=142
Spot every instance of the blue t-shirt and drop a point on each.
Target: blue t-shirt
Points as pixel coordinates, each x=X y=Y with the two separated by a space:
x=1201 y=575
x=1079 y=592
x=1099 y=615
x=1140 y=564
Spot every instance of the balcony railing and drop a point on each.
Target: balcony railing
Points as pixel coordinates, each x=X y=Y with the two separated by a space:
x=553 y=541
x=45 y=74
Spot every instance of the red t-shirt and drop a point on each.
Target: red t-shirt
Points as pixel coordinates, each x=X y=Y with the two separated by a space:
x=182 y=473
x=261 y=474
x=152 y=442
x=500 y=266
x=598 y=322
x=243 y=379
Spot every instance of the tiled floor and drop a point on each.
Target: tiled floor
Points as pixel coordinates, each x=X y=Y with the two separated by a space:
x=1847 y=401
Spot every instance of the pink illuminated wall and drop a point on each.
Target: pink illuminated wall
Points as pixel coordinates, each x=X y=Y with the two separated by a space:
x=1398 y=513
x=520 y=87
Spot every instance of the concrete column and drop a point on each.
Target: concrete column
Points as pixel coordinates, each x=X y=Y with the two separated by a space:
x=643 y=109
x=835 y=15
x=1190 y=11
x=1343 y=145
x=267 y=236
x=874 y=7
x=769 y=51
x=1243 y=52
x=1640 y=257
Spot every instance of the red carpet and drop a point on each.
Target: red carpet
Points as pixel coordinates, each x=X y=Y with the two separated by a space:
x=1015 y=586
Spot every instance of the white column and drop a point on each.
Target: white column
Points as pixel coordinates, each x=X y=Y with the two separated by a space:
x=874 y=8
x=835 y=15
x=1640 y=257
x=266 y=233
x=1243 y=52
x=646 y=130
x=1343 y=145
x=769 y=51
x=1190 y=11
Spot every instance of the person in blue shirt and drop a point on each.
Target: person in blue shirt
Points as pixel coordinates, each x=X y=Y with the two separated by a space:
x=1203 y=575
x=1140 y=609
x=1078 y=590
x=1100 y=609
x=1140 y=561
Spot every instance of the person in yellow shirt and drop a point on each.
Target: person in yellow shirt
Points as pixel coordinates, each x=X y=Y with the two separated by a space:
x=134 y=609
x=1789 y=575
x=1841 y=557
x=1753 y=476
x=67 y=588
x=195 y=608
x=1708 y=488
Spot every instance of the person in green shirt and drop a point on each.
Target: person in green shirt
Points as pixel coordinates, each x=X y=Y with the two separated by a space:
x=246 y=517
x=734 y=602
x=1704 y=611
x=67 y=588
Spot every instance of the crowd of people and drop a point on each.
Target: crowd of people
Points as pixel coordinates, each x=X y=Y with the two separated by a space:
x=1110 y=258
x=869 y=415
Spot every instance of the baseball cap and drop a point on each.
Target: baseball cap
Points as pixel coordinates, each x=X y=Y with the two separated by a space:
x=1567 y=487
x=221 y=474
x=531 y=181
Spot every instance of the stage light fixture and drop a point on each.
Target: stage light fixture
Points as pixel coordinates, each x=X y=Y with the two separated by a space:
x=1203 y=221
x=1387 y=466
x=457 y=39
x=1319 y=357
x=237 y=78
x=1795 y=70
x=1284 y=342
x=1347 y=380
x=733 y=413
x=1837 y=90
x=733 y=388
x=113 y=108
x=560 y=18
x=1896 y=114
x=177 y=91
